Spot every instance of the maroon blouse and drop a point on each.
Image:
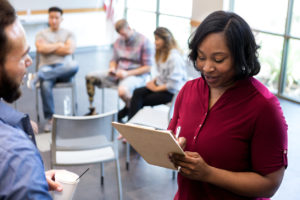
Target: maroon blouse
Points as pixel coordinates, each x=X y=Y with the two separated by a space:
x=244 y=131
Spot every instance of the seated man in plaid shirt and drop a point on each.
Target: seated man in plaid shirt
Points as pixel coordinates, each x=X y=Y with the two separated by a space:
x=133 y=56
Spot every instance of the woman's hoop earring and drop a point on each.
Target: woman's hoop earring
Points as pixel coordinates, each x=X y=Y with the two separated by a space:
x=243 y=69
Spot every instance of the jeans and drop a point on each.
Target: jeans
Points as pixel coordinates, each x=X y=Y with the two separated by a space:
x=48 y=76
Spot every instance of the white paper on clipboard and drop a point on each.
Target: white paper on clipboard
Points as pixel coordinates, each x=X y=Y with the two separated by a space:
x=153 y=145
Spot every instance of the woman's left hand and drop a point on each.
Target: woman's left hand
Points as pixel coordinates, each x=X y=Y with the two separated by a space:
x=191 y=165
x=151 y=85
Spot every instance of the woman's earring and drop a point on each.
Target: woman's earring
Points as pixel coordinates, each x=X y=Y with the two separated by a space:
x=243 y=69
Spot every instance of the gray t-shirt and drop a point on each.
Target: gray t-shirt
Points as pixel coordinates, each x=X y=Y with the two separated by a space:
x=62 y=35
x=172 y=72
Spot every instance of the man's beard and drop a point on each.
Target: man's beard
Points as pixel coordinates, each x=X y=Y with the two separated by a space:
x=9 y=90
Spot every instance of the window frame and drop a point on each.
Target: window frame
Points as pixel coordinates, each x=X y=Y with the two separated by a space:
x=285 y=50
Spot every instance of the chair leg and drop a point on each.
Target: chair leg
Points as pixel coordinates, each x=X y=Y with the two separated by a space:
x=127 y=156
x=103 y=99
x=173 y=175
x=102 y=174
x=118 y=102
x=74 y=102
x=119 y=179
x=37 y=105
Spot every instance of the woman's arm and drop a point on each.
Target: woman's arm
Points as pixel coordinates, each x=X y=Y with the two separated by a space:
x=151 y=85
x=249 y=184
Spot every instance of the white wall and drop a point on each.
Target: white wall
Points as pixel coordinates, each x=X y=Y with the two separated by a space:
x=90 y=28
x=202 y=8
x=45 y=4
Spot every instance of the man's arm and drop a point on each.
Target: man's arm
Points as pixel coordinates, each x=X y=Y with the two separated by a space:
x=138 y=71
x=151 y=85
x=112 y=67
x=46 y=48
x=67 y=48
x=24 y=174
x=121 y=73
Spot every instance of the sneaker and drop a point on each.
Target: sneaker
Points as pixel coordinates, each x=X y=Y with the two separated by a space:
x=91 y=112
x=32 y=81
x=122 y=113
x=48 y=126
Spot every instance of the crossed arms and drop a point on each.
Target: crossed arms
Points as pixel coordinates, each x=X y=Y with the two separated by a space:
x=58 y=48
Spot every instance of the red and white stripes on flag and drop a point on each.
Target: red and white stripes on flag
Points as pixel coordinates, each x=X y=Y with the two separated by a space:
x=109 y=9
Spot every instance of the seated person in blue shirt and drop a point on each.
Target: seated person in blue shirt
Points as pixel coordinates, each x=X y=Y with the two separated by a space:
x=171 y=74
x=22 y=173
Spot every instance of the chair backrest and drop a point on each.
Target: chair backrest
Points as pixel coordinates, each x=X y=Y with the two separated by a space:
x=82 y=132
x=155 y=117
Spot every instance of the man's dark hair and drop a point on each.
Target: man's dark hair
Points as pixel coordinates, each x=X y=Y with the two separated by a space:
x=239 y=39
x=7 y=17
x=55 y=9
x=9 y=89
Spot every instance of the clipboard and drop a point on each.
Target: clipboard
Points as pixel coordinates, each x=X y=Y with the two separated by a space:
x=153 y=145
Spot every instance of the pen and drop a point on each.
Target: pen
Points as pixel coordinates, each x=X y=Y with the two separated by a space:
x=176 y=136
x=177 y=132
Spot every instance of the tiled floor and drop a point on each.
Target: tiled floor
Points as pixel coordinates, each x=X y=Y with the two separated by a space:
x=144 y=181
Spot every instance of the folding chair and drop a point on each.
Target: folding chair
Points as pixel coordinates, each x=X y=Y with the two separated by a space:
x=79 y=140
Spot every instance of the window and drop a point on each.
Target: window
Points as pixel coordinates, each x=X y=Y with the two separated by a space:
x=258 y=16
x=292 y=80
x=142 y=5
x=144 y=16
x=270 y=59
x=276 y=26
x=295 y=27
x=180 y=29
x=176 y=7
x=145 y=23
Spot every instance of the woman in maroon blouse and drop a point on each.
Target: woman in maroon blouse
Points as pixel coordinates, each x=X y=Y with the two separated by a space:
x=231 y=126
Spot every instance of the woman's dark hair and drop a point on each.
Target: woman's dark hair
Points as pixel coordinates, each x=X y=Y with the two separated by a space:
x=7 y=17
x=239 y=39
x=55 y=9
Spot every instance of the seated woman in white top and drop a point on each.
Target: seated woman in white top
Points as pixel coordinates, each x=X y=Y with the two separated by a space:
x=171 y=74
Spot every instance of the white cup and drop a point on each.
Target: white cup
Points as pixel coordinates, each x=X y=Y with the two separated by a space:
x=68 y=181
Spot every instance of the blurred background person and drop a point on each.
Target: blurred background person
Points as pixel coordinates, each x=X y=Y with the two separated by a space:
x=55 y=46
x=129 y=68
x=171 y=74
